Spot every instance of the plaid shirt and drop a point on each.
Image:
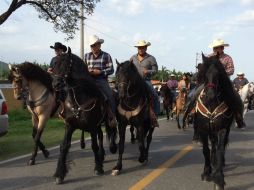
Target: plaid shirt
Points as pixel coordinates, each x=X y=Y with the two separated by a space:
x=172 y=84
x=227 y=62
x=102 y=62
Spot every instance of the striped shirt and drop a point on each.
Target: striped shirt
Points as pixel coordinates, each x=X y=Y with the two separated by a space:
x=102 y=62
x=227 y=62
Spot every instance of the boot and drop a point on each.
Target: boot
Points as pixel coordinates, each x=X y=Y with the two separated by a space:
x=153 y=118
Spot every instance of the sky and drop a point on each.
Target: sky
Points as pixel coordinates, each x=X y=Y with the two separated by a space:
x=179 y=30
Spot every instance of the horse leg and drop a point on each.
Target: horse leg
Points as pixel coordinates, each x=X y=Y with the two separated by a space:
x=98 y=169
x=112 y=135
x=206 y=175
x=132 y=134
x=177 y=119
x=148 y=142
x=142 y=156
x=218 y=175
x=167 y=111
x=82 y=140
x=40 y=144
x=62 y=169
x=101 y=148
x=122 y=130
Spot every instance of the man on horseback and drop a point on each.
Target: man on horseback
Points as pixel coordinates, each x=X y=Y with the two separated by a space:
x=236 y=105
x=100 y=65
x=172 y=84
x=240 y=81
x=58 y=83
x=147 y=66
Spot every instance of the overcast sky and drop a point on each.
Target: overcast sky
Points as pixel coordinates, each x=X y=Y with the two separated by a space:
x=177 y=30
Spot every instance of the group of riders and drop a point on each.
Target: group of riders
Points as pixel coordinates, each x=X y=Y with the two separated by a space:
x=100 y=66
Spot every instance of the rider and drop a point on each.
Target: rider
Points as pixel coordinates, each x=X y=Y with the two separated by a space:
x=172 y=84
x=100 y=65
x=184 y=83
x=58 y=84
x=240 y=81
x=218 y=46
x=147 y=66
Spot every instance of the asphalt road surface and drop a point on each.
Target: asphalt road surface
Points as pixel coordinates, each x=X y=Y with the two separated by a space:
x=174 y=164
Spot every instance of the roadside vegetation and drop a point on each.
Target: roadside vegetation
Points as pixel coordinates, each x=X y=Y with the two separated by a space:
x=18 y=140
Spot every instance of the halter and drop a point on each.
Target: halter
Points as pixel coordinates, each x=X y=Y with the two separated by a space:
x=211 y=85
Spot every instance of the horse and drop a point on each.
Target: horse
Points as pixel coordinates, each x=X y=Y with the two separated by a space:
x=85 y=109
x=180 y=104
x=133 y=109
x=213 y=118
x=41 y=99
x=168 y=102
x=245 y=93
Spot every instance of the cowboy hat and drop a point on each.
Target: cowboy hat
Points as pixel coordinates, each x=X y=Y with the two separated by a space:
x=95 y=39
x=59 y=45
x=142 y=43
x=172 y=75
x=240 y=73
x=218 y=43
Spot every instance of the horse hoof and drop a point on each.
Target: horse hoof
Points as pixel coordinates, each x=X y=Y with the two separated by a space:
x=82 y=145
x=98 y=172
x=205 y=178
x=46 y=153
x=113 y=149
x=115 y=172
x=59 y=180
x=31 y=162
x=217 y=187
x=145 y=163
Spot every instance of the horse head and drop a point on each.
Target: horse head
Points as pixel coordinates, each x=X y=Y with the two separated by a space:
x=16 y=79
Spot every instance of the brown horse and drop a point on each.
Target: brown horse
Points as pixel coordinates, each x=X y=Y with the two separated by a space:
x=180 y=104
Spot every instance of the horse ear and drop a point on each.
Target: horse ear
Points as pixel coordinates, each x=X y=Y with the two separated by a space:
x=69 y=50
x=117 y=62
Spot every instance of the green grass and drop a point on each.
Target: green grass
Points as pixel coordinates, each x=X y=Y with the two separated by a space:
x=18 y=140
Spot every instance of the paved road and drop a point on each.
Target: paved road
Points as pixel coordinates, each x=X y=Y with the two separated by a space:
x=175 y=164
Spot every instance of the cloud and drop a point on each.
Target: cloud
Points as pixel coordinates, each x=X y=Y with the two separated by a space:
x=246 y=17
x=9 y=30
x=247 y=2
x=131 y=7
x=183 y=5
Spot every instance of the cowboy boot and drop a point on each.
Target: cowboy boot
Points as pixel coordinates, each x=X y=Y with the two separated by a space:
x=153 y=118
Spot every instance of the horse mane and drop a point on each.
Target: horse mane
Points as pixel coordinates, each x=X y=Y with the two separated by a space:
x=34 y=72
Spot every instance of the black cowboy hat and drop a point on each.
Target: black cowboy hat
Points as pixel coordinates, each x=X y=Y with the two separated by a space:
x=59 y=45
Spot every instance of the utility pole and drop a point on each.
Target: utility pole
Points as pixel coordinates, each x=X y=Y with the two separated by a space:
x=82 y=31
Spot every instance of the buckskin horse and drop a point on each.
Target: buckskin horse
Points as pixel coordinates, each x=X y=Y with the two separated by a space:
x=133 y=109
x=41 y=99
x=84 y=108
x=213 y=119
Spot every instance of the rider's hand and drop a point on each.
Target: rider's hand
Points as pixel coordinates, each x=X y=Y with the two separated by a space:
x=145 y=72
x=94 y=72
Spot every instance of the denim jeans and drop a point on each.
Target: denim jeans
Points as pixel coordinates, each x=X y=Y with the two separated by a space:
x=107 y=93
x=155 y=98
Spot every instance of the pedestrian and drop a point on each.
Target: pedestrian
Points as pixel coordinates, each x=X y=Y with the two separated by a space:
x=100 y=66
x=147 y=67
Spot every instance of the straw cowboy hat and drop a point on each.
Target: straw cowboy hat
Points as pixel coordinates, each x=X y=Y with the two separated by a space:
x=59 y=45
x=95 y=39
x=172 y=75
x=142 y=43
x=218 y=43
x=240 y=74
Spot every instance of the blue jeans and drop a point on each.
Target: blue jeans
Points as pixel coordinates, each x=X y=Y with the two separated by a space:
x=155 y=98
x=107 y=93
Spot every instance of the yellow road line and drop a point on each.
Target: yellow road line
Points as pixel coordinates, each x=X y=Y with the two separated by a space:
x=162 y=168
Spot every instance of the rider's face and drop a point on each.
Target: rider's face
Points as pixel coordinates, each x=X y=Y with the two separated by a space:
x=58 y=51
x=96 y=48
x=218 y=49
x=142 y=50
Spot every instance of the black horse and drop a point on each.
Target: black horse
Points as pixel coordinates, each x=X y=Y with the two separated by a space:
x=84 y=108
x=168 y=102
x=133 y=109
x=213 y=118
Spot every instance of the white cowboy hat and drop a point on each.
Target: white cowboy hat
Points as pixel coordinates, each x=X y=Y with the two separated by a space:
x=172 y=75
x=95 y=39
x=142 y=43
x=240 y=73
x=217 y=43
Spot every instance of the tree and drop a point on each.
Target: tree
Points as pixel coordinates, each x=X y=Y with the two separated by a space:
x=162 y=74
x=64 y=14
